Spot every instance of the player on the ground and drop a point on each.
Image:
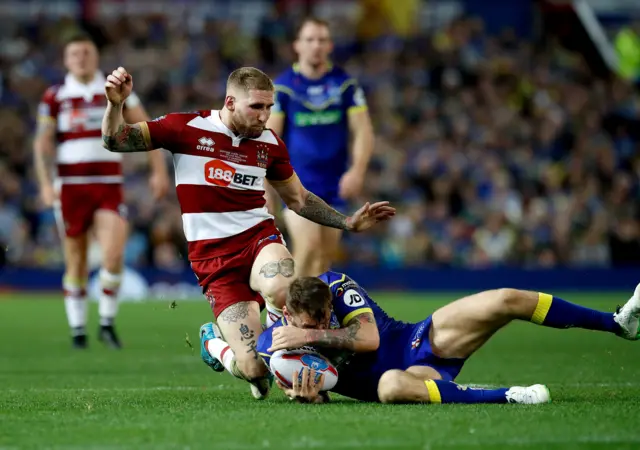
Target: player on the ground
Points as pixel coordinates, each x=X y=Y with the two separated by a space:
x=381 y=359
x=88 y=186
x=222 y=158
x=318 y=108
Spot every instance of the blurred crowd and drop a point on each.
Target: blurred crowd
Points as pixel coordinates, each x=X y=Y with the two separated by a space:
x=496 y=150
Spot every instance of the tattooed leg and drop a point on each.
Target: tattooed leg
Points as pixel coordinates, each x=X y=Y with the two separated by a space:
x=272 y=273
x=240 y=325
x=284 y=267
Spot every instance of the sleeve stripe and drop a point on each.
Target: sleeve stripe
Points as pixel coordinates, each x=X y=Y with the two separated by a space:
x=284 y=90
x=264 y=355
x=282 y=182
x=355 y=313
x=344 y=277
x=357 y=109
x=146 y=134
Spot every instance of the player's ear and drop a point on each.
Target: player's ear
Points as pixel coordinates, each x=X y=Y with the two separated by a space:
x=285 y=313
x=230 y=102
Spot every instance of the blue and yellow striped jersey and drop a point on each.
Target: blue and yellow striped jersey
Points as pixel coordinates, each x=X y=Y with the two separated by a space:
x=349 y=300
x=316 y=126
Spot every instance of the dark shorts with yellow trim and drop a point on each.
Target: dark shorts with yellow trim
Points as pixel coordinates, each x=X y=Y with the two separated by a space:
x=400 y=348
x=420 y=353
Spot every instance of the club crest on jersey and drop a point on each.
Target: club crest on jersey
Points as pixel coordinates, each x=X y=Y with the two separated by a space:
x=262 y=157
x=206 y=144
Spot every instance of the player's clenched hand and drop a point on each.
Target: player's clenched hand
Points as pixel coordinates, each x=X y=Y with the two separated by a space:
x=118 y=86
x=288 y=337
x=305 y=387
x=369 y=215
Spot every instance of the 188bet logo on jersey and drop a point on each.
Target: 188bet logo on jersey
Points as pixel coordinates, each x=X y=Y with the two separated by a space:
x=222 y=174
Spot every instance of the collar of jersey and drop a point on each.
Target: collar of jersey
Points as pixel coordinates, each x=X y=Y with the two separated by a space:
x=296 y=69
x=217 y=122
x=98 y=81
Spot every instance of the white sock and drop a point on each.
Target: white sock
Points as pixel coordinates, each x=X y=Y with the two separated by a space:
x=273 y=314
x=220 y=350
x=108 y=304
x=75 y=303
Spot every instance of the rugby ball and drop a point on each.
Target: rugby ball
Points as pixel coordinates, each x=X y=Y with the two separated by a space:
x=284 y=363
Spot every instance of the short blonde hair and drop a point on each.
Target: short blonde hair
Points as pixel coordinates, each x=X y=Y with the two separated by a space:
x=248 y=78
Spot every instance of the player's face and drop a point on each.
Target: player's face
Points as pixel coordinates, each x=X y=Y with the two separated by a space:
x=313 y=45
x=250 y=112
x=81 y=59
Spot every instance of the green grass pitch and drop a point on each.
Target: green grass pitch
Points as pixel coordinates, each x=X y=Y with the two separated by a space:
x=157 y=394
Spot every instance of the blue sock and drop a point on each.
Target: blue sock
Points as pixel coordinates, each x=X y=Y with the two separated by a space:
x=448 y=392
x=557 y=313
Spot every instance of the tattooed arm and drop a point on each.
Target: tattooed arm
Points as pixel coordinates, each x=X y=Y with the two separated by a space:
x=312 y=207
x=360 y=335
x=119 y=136
x=309 y=205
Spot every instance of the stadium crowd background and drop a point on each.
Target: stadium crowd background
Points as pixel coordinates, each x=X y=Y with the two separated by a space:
x=497 y=150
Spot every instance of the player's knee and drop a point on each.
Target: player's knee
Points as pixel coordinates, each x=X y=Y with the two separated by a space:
x=390 y=386
x=276 y=291
x=251 y=368
x=510 y=301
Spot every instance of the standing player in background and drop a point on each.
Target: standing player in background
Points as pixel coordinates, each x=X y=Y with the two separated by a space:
x=88 y=191
x=318 y=108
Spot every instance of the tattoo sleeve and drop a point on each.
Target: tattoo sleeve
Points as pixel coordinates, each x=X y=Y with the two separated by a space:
x=316 y=210
x=119 y=136
x=344 y=338
x=127 y=138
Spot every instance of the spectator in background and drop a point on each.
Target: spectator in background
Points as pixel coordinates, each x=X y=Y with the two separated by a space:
x=467 y=124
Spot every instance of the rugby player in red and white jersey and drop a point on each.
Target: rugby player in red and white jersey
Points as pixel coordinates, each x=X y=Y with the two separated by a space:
x=88 y=187
x=222 y=158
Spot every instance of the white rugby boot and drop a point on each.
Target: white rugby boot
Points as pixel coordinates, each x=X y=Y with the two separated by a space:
x=628 y=317
x=530 y=395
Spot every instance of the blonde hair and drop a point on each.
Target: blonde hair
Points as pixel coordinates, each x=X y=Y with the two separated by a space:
x=248 y=78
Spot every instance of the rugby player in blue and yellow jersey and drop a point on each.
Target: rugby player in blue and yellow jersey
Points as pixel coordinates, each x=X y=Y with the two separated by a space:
x=318 y=109
x=382 y=359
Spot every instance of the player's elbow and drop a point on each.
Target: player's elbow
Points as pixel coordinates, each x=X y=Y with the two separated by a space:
x=43 y=146
x=296 y=202
x=110 y=143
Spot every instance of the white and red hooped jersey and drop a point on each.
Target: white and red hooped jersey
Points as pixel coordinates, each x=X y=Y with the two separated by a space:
x=219 y=179
x=77 y=109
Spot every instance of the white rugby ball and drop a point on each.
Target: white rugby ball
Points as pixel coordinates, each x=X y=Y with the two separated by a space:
x=284 y=363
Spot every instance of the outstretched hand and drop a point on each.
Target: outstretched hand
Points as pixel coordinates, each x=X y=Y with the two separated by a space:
x=369 y=215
